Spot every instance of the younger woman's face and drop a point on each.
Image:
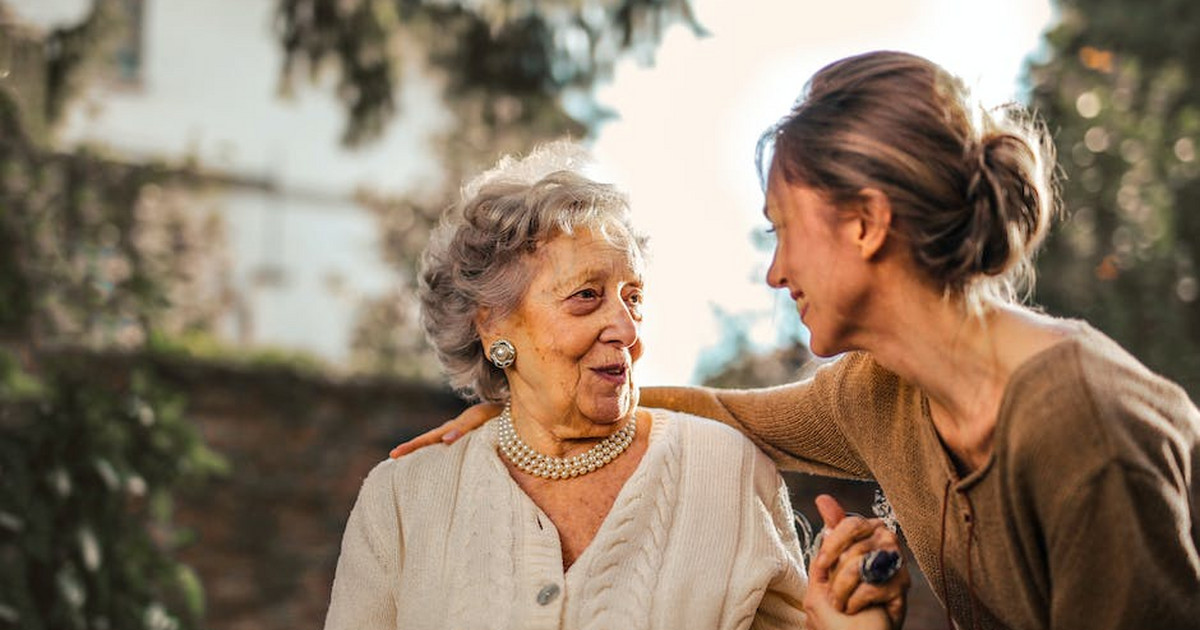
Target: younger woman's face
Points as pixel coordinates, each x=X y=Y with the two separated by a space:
x=816 y=261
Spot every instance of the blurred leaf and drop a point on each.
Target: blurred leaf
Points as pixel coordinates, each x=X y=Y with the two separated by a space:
x=1121 y=92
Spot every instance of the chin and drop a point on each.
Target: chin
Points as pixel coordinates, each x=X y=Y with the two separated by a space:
x=823 y=348
x=610 y=409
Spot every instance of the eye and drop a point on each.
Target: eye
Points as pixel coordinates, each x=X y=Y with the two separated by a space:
x=587 y=294
x=634 y=299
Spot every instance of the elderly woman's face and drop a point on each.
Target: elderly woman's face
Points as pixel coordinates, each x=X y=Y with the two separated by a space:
x=576 y=332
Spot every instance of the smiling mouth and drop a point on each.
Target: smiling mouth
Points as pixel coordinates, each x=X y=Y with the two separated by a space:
x=801 y=304
x=615 y=373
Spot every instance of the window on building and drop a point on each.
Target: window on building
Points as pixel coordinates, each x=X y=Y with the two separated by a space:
x=127 y=56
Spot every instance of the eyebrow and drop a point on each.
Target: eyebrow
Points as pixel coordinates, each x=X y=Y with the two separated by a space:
x=589 y=275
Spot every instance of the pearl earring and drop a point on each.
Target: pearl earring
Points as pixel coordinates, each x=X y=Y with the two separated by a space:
x=502 y=353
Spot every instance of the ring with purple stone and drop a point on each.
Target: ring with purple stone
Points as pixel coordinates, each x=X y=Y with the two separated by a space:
x=879 y=566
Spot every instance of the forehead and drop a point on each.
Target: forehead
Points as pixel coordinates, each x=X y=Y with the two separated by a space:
x=775 y=194
x=584 y=255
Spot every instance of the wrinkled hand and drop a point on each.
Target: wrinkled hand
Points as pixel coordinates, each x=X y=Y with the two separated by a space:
x=821 y=615
x=835 y=585
x=469 y=420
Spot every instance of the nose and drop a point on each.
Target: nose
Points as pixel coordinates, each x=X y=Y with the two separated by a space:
x=623 y=325
x=775 y=277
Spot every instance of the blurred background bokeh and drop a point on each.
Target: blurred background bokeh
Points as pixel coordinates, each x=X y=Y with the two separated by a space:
x=210 y=212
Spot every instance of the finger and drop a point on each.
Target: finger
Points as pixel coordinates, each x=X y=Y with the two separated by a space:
x=846 y=574
x=844 y=578
x=890 y=594
x=831 y=514
x=425 y=439
x=835 y=541
x=898 y=607
x=469 y=420
x=830 y=510
x=867 y=595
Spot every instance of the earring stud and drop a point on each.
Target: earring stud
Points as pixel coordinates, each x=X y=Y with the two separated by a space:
x=502 y=353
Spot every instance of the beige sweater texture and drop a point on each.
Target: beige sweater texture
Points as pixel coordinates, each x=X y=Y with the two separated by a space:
x=1086 y=516
x=700 y=536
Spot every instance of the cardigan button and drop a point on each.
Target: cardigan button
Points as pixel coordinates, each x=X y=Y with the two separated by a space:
x=547 y=594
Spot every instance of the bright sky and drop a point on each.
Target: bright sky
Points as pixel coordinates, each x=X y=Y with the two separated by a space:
x=683 y=147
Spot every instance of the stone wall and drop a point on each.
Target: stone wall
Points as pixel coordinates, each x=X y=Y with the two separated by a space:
x=265 y=538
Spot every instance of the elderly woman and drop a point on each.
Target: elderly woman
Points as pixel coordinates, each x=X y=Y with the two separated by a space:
x=575 y=507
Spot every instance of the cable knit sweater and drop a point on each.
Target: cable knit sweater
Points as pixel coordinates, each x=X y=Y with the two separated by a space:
x=1087 y=514
x=700 y=536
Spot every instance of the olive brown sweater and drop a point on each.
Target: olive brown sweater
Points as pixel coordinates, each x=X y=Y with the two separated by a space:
x=1087 y=514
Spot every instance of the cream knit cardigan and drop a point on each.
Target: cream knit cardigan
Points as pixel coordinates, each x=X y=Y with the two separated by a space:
x=700 y=537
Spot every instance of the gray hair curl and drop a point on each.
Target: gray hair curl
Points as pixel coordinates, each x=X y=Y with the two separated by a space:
x=479 y=255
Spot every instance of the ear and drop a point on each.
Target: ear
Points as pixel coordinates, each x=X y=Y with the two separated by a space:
x=484 y=325
x=874 y=222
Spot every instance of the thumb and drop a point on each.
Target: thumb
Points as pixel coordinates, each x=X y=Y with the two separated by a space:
x=831 y=511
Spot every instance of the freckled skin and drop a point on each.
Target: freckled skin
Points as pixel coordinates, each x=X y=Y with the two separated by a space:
x=581 y=313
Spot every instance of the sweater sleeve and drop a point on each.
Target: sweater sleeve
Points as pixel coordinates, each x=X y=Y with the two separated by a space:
x=798 y=425
x=362 y=597
x=1122 y=555
x=782 y=605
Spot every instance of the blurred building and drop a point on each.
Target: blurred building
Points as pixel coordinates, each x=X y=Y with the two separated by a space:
x=197 y=82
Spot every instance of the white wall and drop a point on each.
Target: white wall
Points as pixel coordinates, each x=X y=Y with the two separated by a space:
x=209 y=91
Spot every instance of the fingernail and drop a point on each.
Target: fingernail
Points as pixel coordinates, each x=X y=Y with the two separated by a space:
x=450 y=436
x=395 y=453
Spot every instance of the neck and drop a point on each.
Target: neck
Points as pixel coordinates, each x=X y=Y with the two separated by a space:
x=560 y=434
x=961 y=361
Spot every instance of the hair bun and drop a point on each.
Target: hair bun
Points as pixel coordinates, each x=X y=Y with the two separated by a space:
x=1007 y=215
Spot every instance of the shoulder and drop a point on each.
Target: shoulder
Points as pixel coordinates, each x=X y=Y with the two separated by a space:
x=1089 y=396
x=421 y=471
x=690 y=432
x=716 y=448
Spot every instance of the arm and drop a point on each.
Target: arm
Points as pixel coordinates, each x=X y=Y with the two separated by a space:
x=798 y=425
x=781 y=606
x=1123 y=554
x=361 y=597
x=787 y=594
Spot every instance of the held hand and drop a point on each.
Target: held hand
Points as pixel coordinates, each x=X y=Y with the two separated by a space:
x=819 y=613
x=451 y=430
x=837 y=567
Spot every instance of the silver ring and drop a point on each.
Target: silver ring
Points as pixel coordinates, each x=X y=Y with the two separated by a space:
x=879 y=566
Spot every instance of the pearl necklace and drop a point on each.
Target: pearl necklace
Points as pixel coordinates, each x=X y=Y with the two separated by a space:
x=524 y=457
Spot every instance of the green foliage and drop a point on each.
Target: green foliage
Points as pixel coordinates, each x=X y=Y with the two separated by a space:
x=507 y=69
x=88 y=465
x=72 y=50
x=204 y=346
x=72 y=270
x=1121 y=91
x=93 y=254
x=523 y=53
